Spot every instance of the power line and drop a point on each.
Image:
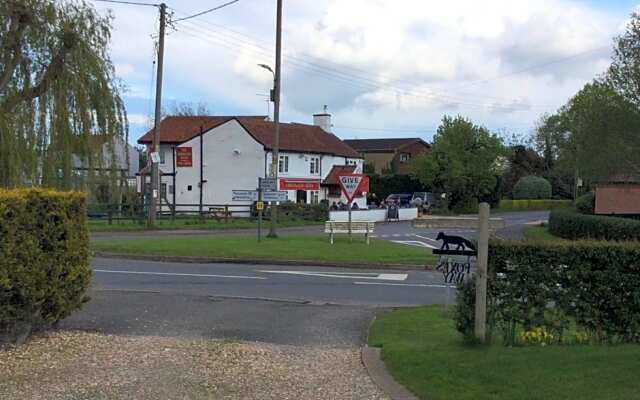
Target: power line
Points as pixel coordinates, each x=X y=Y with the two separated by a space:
x=134 y=3
x=399 y=81
x=359 y=82
x=207 y=11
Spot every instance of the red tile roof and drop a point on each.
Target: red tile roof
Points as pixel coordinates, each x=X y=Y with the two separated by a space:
x=382 y=145
x=293 y=137
x=332 y=177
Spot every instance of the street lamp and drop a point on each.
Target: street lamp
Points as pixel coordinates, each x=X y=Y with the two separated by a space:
x=271 y=92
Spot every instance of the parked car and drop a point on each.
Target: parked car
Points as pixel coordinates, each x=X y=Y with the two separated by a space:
x=401 y=199
x=425 y=198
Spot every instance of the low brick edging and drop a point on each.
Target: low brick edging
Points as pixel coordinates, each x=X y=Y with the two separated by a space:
x=221 y=260
x=372 y=360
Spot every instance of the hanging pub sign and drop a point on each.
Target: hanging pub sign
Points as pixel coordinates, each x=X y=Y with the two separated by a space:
x=184 y=157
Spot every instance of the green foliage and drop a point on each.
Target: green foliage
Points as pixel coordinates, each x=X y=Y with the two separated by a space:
x=464 y=162
x=533 y=205
x=58 y=92
x=586 y=203
x=553 y=284
x=522 y=162
x=623 y=72
x=532 y=188
x=384 y=185
x=44 y=259
x=569 y=224
x=291 y=211
x=463 y=316
x=603 y=126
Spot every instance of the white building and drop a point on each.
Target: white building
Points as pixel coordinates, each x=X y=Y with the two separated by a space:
x=236 y=151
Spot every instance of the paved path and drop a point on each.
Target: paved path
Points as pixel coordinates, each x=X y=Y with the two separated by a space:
x=305 y=306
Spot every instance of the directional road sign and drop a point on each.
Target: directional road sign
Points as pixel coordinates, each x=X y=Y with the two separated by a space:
x=244 y=195
x=268 y=184
x=274 y=196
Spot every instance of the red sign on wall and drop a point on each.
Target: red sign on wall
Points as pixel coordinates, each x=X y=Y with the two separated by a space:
x=299 y=184
x=184 y=157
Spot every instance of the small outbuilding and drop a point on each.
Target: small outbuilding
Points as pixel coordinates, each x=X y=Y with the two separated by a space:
x=619 y=196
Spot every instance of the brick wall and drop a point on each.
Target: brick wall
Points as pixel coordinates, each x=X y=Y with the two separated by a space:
x=618 y=198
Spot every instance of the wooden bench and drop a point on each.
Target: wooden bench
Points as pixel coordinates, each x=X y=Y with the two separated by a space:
x=358 y=227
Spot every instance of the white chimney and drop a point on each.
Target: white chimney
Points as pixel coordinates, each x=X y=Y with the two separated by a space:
x=323 y=120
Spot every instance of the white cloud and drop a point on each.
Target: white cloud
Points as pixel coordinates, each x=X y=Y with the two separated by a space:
x=378 y=63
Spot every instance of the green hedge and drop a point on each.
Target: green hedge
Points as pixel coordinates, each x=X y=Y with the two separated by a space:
x=533 y=205
x=532 y=188
x=586 y=204
x=587 y=287
x=569 y=224
x=297 y=211
x=44 y=259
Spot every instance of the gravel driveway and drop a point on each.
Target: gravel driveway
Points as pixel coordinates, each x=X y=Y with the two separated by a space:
x=80 y=365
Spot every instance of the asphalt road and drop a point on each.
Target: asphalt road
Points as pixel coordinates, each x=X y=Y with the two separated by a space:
x=284 y=305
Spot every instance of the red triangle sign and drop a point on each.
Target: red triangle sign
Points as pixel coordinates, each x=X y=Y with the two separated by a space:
x=350 y=184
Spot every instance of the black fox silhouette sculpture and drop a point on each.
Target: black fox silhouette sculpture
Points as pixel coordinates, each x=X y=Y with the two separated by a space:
x=458 y=241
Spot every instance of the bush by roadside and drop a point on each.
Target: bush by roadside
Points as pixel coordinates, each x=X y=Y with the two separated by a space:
x=532 y=188
x=44 y=259
x=569 y=224
x=586 y=203
x=559 y=292
x=532 y=205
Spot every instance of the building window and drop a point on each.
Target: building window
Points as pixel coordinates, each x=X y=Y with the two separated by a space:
x=351 y=162
x=189 y=188
x=334 y=191
x=315 y=197
x=163 y=190
x=314 y=166
x=283 y=164
x=162 y=157
x=405 y=157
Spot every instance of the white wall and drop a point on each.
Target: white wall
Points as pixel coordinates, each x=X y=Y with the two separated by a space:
x=232 y=160
x=373 y=215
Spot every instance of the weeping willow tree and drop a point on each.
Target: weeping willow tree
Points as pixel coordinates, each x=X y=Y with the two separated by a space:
x=59 y=100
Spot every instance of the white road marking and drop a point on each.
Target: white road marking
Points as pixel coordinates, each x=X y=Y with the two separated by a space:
x=428 y=238
x=414 y=243
x=403 y=284
x=106 y=271
x=345 y=275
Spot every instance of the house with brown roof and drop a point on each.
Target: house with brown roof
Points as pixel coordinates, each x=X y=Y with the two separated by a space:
x=210 y=156
x=389 y=155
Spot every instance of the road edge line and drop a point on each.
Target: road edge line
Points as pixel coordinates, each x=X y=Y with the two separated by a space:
x=219 y=260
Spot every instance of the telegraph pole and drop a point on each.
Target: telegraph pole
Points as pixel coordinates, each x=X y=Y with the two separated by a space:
x=275 y=156
x=155 y=172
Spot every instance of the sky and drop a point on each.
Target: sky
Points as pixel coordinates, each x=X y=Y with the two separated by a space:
x=384 y=68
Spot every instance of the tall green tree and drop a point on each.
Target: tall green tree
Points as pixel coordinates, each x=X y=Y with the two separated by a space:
x=605 y=132
x=57 y=90
x=624 y=72
x=464 y=163
x=555 y=144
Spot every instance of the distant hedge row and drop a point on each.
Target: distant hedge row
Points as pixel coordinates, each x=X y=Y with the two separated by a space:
x=569 y=224
x=587 y=286
x=44 y=259
x=532 y=205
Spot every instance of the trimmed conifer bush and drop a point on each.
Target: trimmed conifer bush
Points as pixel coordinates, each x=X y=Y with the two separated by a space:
x=44 y=259
x=531 y=188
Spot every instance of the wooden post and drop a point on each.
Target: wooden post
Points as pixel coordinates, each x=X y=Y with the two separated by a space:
x=480 y=328
x=226 y=213
x=349 y=205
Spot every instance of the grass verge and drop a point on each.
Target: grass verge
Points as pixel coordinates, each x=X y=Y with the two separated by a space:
x=424 y=352
x=102 y=225
x=298 y=248
x=539 y=233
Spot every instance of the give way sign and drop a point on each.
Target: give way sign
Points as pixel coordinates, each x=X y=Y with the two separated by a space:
x=350 y=184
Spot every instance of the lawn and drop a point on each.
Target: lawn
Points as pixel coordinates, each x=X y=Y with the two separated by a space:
x=540 y=233
x=424 y=352
x=303 y=248
x=102 y=225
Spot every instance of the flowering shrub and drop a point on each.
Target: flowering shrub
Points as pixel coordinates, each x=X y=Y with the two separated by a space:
x=537 y=336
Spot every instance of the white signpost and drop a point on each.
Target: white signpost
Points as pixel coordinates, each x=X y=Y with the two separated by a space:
x=350 y=184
